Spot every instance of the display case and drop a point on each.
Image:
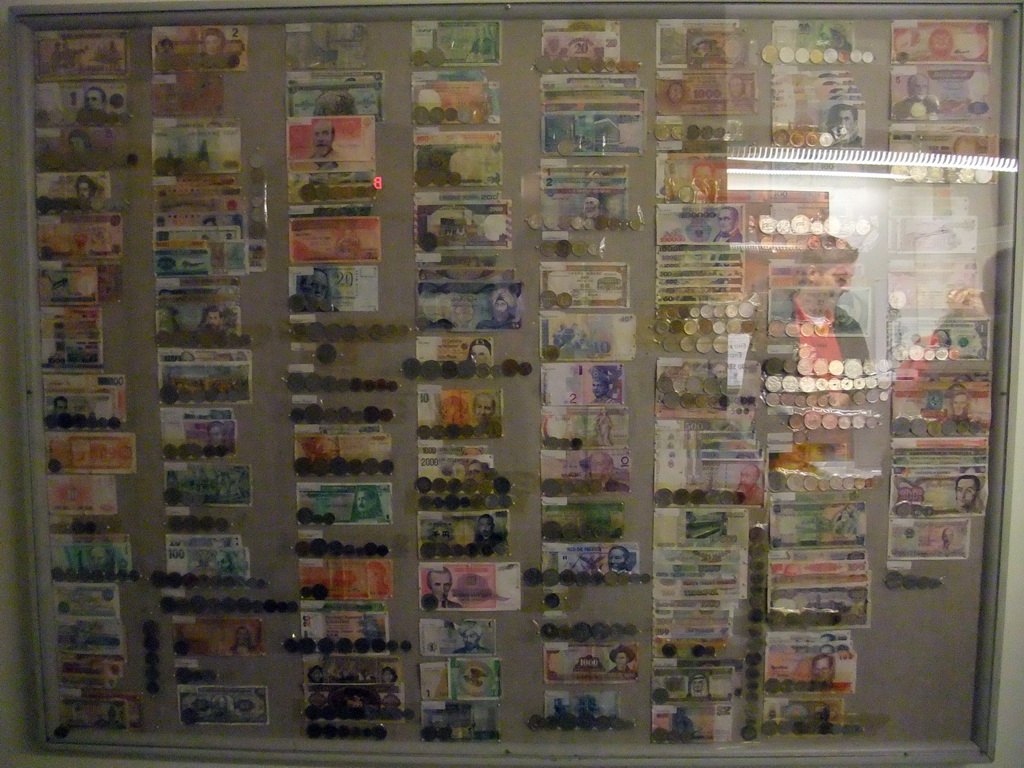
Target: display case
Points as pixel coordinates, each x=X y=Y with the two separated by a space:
x=520 y=383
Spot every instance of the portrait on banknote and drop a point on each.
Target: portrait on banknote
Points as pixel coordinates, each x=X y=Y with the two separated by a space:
x=469 y=586
x=447 y=637
x=80 y=54
x=596 y=663
x=462 y=720
x=348 y=619
x=475 y=533
x=355 y=503
x=223 y=705
x=228 y=485
x=332 y=143
x=221 y=636
x=469 y=305
x=326 y=94
x=200 y=48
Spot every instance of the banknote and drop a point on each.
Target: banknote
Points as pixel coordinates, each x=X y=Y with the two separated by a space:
x=820 y=605
x=57 y=193
x=565 y=384
x=455 y=348
x=707 y=93
x=818 y=525
x=111 y=453
x=801 y=567
x=205 y=375
x=593 y=663
x=710 y=46
x=936 y=234
x=957 y=335
x=450 y=220
x=200 y=257
x=365 y=442
x=188 y=225
x=96 y=708
x=198 y=304
x=921 y=490
x=943 y=398
x=83 y=103
x=720 y=568
x=81 y=494
x=206 y=232
x=457 y=158
x=349 y=578
x=456 y=96
x=940 y=92
x=695 y=680
x=470 y=679
x=91 y=552
x=814 y=33
x=71 y=399
x=323 y=45
x=587 y=337
x=476 y=412
x=582 y=521
x=448 y=467
x=941 y=41
x=945 y=539
x=924 y=282
x=221 y=485
x=826 y=660
x=334 y=239
x=692 y=178
x=700 y=528
x=589 y=285
x=63 y=284
x=585 y=705
x=335 y=288
x=447 y=637
x=81 y=148
x=470 y=586
x=672 y=625
x=601 y=470
x=344 y=143
x=184 y=146
x=440 y=531
x=604 y=426
x=943 y=139
x=89 y=670
x=333 y=187
x=462 y=720
x=470 y=305
x=344 y=619
x=199 y=193
x=98 y=601
x=593 y=133
x=220 y=636
x=719 y=461
x=80 y=54
x=591 y=557
x=98 y=636
x=711 y=721
x=827 y=103
x=595 y=39
x=71 y=337
x=206 y=49
x=578 y=196
x=357 y=699
x=688 y=276
x=187 y=94
x=357 y=503
x=321 y=94
x=72 y=236
x=685 y=224
x=223 y=705
x=454 y=42
x=814 y=710
x=216 y=555
x=375 y=670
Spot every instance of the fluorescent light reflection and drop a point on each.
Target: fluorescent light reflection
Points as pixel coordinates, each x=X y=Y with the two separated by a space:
x=874 y=157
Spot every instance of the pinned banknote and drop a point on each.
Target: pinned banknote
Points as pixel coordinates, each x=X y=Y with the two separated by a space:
x=582 y=521
x=74 y=54
x=205 y=375
x=571 y=337
x=583 y=383
x=357 y=503
x=98 y=236
x=450 y=220
x=223 y=705
x=70 y=399
x=87 y=635
x=343 y=143
x=710 y=721
x=936 y=234
x=470 y=305
x=72 y=192
x=470 y=586
x=457 y=96
x=217 y=556
x=583 y=196
x=335 y=239
x=313 y=94
x=197 y=145
x=596 y=663
x=700 y=528
x=584 y=285
x=446 y=637
x=825 y=660
x=81 y=148
x=476 y=412
x=818 y=525
x=592 y=557
x=590 y=471
x=455 y=348
x=593 y=704
x=593 y=133
x=344 y=619
x=941 y=41
x=940 y=92
x=457 y=158
x=91 y=453
x=314 y=442
x=187 y=94
x=684 y=224
x=473 y=721
x=99 y=601
x=439 y=531
x=71 y=337
x=97 y=102
x=349 y=578
x=62 y=284
x=326 y=45
x=90 y=670
x=945 y=539
x=200 y=48
x=456 y=42
x=921 y=489
x=594 y=39
x=81 y=494
x=446 y=465
x=708 y=93
x=86 y=552
x=220 y=636
x=604 y=426
x=221 y=485
x=96 y=708
x=335 y=287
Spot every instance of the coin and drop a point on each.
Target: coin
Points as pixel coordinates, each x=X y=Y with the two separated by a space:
x=435 y=57
x=817 y=56
x=563 y=300
x=787 y=55
x=565 y=147
x=770 y=54
x=802 y=55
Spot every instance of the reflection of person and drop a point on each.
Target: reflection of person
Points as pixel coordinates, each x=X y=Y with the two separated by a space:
x=315 y=287
x=620 y=559
x=842 y=122
x=486 y=532
x=967 y=489
x=682 y=724
x=750 y=485
x=622 y=658
x=918 y=105
x=471 y=633
x=505 y=310
x=485 y=408
x=941 y=338
x=480 y=352
x=605 y=383
x=366 y=505
x=439 y=583
x=244 y=642
x=323 y=143
x=816 y=301
x=823 y=668
x=728 y=226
